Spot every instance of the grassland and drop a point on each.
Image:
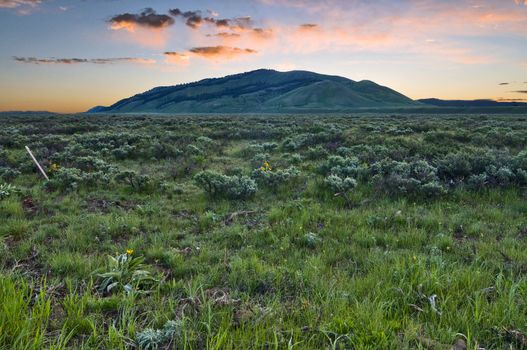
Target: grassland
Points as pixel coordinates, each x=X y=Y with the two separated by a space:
x=304 y=232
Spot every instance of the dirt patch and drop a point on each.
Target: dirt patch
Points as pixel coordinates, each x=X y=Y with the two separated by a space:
x=29 y=206
x=29 y=266
x=104 y=205
x=522 y=233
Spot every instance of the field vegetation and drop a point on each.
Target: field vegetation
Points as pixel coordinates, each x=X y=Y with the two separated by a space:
x=363 y=231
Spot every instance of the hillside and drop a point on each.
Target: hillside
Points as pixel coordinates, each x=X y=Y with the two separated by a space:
x=263 y=91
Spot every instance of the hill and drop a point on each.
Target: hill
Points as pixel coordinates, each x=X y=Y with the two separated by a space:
x=263 y=90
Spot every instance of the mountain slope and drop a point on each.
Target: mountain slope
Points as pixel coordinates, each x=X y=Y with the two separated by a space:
x=262 y=91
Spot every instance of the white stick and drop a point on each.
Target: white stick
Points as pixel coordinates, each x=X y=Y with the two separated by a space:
x=36 y=162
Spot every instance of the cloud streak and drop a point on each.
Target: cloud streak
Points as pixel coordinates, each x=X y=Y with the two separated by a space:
x=69 y=61
x=10 y=4
x=219 y=52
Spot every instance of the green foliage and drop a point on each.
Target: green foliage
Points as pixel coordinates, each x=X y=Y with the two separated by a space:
x=276 y=178
x=414 y=178
x=205 y=142
x=127 y=273
x=343 y=167
x=65 y=179
x=18 y=329
x=7 y=190
x=153 y=339
x=223 y=186
x=336 y=184
x=138 y=182
x=357 y=251
x=8 y=174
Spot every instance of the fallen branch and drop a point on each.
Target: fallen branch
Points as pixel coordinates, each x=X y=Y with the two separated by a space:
x=37 y=163
x=230 y=218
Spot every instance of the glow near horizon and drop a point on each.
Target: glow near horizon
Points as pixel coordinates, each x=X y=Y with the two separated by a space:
x=421 y=48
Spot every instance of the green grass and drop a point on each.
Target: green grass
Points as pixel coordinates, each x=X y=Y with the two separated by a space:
x=293 y=268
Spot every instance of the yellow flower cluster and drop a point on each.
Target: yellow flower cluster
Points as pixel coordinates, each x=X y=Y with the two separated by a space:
x=129 y=251
x=266 y=166
x=54 y=167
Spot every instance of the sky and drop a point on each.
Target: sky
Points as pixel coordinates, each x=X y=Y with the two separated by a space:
x=69 y=56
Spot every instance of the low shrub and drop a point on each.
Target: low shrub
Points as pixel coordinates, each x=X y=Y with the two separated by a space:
x=337 y=184
x=205 y=142
x=231 y=187
x=137 y=181
x=124 y=152
x=343 y=167
x=400 y=178
x=318 y=152
x=8 y=174
x=64 y=179
x=275 y=178
x=259 y=158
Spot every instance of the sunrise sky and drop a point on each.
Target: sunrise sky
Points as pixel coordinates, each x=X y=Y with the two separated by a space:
x=68 y=56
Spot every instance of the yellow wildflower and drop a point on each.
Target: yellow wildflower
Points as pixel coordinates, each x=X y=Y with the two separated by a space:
x=129 y=251
x=266 y=166
x=54 y=167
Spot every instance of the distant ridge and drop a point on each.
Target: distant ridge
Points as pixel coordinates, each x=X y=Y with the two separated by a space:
x=27 y=113
x=470 y=103
x=263 y=90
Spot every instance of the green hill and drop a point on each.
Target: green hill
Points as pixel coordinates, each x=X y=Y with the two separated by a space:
x=263 y=91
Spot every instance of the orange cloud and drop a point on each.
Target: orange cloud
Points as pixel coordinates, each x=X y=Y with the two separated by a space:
x=208 y=52
x=177 y=58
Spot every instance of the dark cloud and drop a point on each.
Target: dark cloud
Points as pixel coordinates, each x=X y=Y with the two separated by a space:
x=35 y=60
x=148 y=18
x=504 y=83
x=225 y=35
x=520 y=91
x=308 y=26
x=194 y=19
x=220 y=51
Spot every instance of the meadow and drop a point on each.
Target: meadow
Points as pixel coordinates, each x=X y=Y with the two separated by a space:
x=342 y=231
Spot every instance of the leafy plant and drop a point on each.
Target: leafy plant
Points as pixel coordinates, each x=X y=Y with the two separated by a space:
x=126 y=273
x=153 y=339
x=7 y=190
